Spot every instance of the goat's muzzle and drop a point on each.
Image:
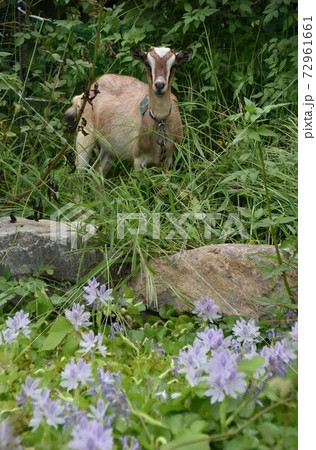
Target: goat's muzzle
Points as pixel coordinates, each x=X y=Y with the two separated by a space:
x=160 y=87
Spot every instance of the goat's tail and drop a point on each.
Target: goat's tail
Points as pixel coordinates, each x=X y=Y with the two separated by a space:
x=73 y=111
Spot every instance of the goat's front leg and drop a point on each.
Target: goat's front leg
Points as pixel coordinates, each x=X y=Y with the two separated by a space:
x=85 y=143
x=139 y=162
x=103 y=162
x=167 y=162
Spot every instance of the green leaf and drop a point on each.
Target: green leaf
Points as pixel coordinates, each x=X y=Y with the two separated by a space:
x=190 y=441
x=148 y=419
x=71 y=344
x=264 y=131
x=59 y=330
x=249 y=366
x=269 y=432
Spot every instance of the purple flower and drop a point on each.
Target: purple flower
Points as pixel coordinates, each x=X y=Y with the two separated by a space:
x=223 y=378
x=90 y=342
x=78 y=317
x=91 y=435
x=109 y=384
x=98 y=413
x=206 y=309
x=20 y=322
x=213 y=338
x=107 y=378
x=278 y=358
x=250 y=350
x=29 y=389
x=157 y=347
x=8 y=441
x=93 y=295
x=285 y=351
x=10 y=335
x=236 y=349
x=130 y=443
x=91 y=292
x=162 y=394
x=191 y=362
x=118 y=402
x=290 y=315
x=76 y=373
x=294 y=332
x=271 y=334
x=42 y=399
x=246 y=331
x=37 y=418
x=73 y=415
x=105 y=295
x=52 y=412
x=115 y=329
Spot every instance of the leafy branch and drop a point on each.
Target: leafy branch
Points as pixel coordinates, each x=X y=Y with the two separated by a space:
x=54 y=161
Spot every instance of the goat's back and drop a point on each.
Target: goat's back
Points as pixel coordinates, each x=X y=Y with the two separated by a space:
x=117 y=85
x=114 y=112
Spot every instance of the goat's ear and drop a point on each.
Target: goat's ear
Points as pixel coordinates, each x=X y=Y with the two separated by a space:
x=139 y=54
x=184 y=55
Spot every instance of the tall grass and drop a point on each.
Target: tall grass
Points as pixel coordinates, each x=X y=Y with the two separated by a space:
x=213 y=172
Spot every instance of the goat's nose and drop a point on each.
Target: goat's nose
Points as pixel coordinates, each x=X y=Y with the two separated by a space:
x=159 y=85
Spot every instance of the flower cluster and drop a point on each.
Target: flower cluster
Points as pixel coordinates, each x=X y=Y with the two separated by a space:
x=213 y=357
x=278 y=358
x=219 y=368
x=91 y=343
x=75 y=374
x=90 y=429
x=8 y=440
x=78 y=317
x=94 y=294
x=246 y=331
x=53 y=412
x=206 y=309
x=17 y=324
x=91 y=434
x=109 y=384
x=130 y=443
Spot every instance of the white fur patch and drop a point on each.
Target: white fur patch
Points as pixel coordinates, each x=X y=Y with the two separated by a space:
x=170 y=63
x=152 y=63
x=161 y=51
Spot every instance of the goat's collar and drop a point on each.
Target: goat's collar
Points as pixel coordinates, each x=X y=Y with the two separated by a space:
x=152 y=115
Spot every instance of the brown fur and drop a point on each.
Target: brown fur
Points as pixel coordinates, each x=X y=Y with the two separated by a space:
x=114 y=122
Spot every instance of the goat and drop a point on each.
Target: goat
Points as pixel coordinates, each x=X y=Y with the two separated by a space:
x=130 y=119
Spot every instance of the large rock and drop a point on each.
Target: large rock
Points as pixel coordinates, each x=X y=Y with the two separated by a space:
x=27 y=245
x=228 y=273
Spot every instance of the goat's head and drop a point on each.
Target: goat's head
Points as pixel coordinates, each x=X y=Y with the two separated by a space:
x=160 y=63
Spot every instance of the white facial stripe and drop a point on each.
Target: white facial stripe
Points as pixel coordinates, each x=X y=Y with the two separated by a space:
x=170 y=63
x=152 y=63
x=161 y=51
